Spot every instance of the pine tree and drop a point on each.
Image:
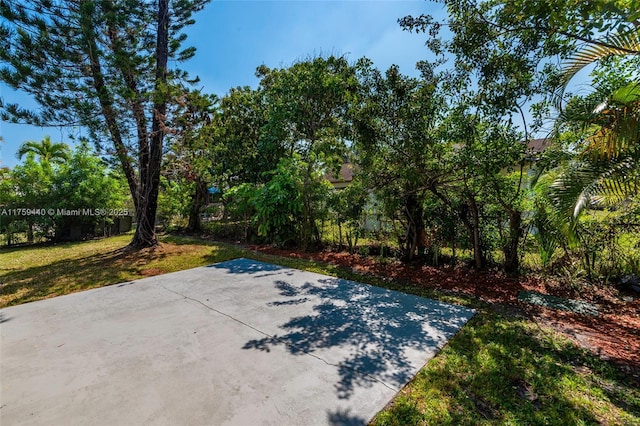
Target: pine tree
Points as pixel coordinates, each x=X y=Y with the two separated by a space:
x=101 y=64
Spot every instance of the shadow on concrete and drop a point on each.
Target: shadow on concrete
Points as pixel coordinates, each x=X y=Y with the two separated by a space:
x=344 y=418
x=377 y=332
x=248 y=266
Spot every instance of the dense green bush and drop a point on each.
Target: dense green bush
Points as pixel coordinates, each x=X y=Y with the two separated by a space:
x=45 y=200
x=174 y=202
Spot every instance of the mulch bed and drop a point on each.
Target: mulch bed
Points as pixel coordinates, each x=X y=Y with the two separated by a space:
x=614 y=334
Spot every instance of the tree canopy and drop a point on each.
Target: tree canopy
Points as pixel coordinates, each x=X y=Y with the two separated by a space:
x=102 y=65
x=457 y=155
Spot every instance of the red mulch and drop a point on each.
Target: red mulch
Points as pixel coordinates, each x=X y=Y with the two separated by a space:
x=614 y=334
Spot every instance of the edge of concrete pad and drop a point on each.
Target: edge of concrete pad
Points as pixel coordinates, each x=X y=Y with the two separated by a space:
x=353 y=366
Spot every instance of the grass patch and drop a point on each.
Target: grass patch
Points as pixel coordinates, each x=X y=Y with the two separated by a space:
x=496 y=370
x=500 y=370
x=34 y=273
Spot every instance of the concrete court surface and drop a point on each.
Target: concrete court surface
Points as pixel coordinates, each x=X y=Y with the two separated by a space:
x=235 y=343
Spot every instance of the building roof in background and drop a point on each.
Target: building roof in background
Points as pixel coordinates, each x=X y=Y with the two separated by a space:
x=346 y=174
x=538 y=146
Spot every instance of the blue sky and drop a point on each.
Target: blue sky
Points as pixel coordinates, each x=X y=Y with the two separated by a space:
x=235 y=37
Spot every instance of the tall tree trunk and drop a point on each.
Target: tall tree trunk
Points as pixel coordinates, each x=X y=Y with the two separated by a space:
x=197 y=202
x=151 y=154
x=479 y=258
x=309 y=228
x=105 y=98
x=454 y=232
x=470 y=217
x=510 y=248
x=30 y=233
x=416 y=234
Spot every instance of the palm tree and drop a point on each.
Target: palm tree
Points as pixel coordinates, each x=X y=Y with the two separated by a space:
x=607 y=165
x=46 y=151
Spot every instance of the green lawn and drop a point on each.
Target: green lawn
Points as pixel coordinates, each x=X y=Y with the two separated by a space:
x=498 y=369
x=28 y=274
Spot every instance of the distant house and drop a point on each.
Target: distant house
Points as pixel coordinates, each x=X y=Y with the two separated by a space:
x=343 y=179
x=535 y=147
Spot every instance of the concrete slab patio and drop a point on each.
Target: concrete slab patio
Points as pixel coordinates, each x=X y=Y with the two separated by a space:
x=235 y=343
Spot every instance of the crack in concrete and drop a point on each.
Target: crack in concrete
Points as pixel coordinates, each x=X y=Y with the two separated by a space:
x=271 y=336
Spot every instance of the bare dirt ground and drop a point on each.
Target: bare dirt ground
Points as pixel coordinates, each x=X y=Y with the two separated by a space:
x=614 y=334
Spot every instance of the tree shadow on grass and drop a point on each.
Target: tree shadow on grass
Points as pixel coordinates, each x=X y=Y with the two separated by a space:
x=503 y=369
x=71 y=275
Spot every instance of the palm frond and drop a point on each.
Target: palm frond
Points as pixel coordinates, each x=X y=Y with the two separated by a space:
x=628 y=94
x=617 y=129
x=46 y=150
x=27 y=147
x=588 y=181
x=616 y=44
x=612 y=143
